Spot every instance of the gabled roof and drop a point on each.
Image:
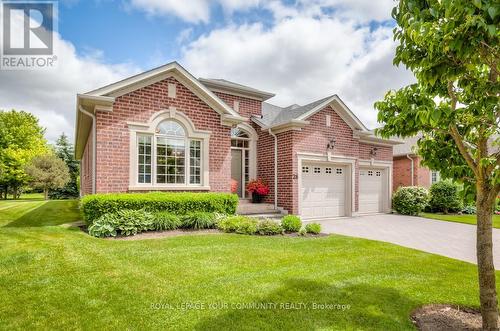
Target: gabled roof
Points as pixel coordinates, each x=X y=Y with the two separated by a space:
x=408 y=146
x=102 y=99
x=273 y=116
x=295 y=117
x=222 y=85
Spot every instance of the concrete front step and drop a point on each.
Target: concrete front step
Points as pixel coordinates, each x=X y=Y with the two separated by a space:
x=255 y=208
x=274 y=216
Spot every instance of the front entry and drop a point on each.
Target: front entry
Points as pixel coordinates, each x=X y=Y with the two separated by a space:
x=236 y=169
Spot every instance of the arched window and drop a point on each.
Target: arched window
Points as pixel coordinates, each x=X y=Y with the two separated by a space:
x=171 y=128
x=169 y=156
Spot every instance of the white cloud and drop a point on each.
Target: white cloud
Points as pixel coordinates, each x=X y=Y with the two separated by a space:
x=51 y=94
x=302 y=59
x=194 y=11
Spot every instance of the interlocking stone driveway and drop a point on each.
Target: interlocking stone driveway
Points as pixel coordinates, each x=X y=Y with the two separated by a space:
x=449 y=239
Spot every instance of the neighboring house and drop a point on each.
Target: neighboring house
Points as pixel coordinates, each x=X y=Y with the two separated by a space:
x=408 y=170
x=165 y=130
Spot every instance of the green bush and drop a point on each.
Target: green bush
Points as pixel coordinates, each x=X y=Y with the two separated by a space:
x=313 y=228
x=291 y=223
x=104 y=226
x=124 y=222
x=269 y=227
x=166 y=221
x=230 y=224
x=180 y=203
x=444 y=197
x=469 y=210
x=131 y=222
x=247 y=226
x=302 y=231
x=199 y=220
x=410 y=200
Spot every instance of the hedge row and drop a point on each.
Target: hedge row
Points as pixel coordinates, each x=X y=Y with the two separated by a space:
x=181 y=203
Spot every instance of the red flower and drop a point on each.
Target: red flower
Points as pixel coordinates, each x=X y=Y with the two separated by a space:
x=258 y=186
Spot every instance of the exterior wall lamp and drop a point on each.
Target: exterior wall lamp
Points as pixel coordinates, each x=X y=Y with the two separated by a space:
x=331 y=144
x=373 y=152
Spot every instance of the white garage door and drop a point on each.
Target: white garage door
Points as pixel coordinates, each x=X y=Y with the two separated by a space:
x=371 y=190
x=323 y=191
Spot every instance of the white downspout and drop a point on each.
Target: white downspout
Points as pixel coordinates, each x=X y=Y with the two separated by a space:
x=275 y=169
x=411 y=170
x=94 y=144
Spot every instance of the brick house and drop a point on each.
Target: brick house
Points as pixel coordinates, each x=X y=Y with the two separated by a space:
x=165 y=130
x=407 y=167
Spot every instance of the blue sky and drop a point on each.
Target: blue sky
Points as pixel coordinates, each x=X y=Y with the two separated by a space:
x=301 y=50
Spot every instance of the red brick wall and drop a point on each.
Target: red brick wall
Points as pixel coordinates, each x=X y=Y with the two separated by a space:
x=402 y=173
x=247 y=107
x=314 y=139
x=139 y=106
x=86 y=168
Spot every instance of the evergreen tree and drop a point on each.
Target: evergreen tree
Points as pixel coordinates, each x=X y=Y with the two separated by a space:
x=65 y=151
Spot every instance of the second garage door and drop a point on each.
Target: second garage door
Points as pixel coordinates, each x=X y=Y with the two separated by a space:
x=323 y=191
x=371 y=190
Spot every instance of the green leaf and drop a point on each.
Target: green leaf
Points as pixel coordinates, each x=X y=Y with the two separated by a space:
x=493 y=11
x=492 y=30
x=435 y=117
x=477 y=3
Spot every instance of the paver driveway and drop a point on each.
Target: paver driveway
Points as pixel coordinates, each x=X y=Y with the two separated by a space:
x=449 y=239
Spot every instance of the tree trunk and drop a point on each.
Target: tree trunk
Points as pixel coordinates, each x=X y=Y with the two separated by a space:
x=485 y=266
x=46 y=193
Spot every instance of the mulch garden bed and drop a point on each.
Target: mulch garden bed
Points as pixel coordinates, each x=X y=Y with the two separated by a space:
x=446 y=318
x=183 y=232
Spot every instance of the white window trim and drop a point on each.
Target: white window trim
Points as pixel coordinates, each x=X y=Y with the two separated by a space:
x=252 y=149
x=438 y=176
x=149 y=128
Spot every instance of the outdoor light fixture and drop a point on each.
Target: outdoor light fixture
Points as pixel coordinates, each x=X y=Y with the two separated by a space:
x=331 y=144
x=373 y=152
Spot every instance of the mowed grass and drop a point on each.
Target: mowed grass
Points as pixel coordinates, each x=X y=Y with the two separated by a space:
x=467 y=219
x=53 y=276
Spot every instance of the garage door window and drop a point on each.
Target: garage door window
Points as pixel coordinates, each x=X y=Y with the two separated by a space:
x=305 y=170
x=317 y=170
x=339 y=171
x=328 y=170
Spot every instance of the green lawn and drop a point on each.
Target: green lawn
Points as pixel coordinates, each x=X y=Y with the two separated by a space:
x=467 y=219
x=53 y=276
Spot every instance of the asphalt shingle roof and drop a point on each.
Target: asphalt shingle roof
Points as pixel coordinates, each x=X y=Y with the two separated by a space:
x=274 y=115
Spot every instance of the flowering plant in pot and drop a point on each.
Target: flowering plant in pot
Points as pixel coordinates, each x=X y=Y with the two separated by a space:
x=234 y=186
x=259 y=190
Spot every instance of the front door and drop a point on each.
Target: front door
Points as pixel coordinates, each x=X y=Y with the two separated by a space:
x=237 y=169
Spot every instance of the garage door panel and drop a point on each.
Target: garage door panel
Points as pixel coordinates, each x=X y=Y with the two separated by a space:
x=323 y=190
x=371 y=190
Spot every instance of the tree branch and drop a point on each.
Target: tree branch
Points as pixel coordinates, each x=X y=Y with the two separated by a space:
x=456 y=135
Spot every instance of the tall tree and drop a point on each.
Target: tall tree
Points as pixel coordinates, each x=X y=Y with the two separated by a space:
x=21 y=139
x=452 y=47
x=47 y=172
x=65 y=151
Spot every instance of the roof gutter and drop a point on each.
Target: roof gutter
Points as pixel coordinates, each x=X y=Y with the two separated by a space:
x=275 y=169
x=411 y=170
x=94 y=146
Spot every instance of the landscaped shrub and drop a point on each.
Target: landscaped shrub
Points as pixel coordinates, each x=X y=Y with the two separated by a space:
x=166 y=221
x=410 y=200
x=302 y=231
x=269 y=227
x=124 y=222
x=181 y=203
x=131 y=222
x=469 y=210
x=444 y=197
x=199 y=220
x=291 y=223
x=104 y=226
x=247 y=226
x=230 y=223
x=313 y=228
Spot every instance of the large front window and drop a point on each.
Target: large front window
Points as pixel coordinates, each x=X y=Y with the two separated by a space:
x=169 y=156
